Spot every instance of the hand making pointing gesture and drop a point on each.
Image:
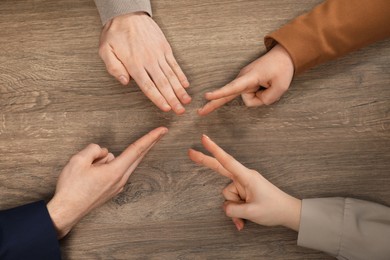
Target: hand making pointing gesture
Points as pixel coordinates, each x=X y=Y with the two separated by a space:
x=92 y=177
x=262 y=82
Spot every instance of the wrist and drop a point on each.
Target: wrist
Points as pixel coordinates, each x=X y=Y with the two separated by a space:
x=63 y=219
x=124 y=19
x=293 y=213
x=284 y=57
x=130 y=15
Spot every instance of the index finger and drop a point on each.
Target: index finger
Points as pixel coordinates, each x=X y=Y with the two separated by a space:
x=238 y=171
x=137 y=149
x=209 y=162
x=235 y=87
x=215 y=104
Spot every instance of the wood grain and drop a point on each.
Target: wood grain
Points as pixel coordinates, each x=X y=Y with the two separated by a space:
x=328 y=136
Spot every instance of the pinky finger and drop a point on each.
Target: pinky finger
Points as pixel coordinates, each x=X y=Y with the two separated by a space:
x=178 y=71
x=239 y=223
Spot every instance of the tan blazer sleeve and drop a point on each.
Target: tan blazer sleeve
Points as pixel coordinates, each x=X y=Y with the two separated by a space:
x=346 y=228
x=109 y=9
x=332 y=29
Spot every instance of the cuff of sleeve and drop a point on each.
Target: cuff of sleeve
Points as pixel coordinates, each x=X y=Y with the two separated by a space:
x=303 y=56
x=27 y=232
x=109 y=9
x=321 y=224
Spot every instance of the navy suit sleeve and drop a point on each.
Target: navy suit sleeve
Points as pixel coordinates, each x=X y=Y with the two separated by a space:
x=27 y=232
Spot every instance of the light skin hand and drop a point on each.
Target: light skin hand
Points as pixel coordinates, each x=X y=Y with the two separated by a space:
x=249 y=196
x=262 y=82
x=133 y=46
x=92 y=177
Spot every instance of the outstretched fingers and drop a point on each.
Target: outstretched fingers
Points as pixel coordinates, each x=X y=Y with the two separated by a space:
x=150 y=90
x=239 y=172
x=208 y=161
x=215 y=104
x=177 y=69
x=233 y=88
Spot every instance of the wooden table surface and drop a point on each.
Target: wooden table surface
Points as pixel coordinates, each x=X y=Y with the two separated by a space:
x=328 y=136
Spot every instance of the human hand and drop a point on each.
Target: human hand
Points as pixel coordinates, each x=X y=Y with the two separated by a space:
x=262 y=82
x=133 y=45
x=249 y=196
x=92 y=177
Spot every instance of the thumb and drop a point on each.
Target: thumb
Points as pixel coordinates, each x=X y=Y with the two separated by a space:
x=236 y=209
x=114 y=66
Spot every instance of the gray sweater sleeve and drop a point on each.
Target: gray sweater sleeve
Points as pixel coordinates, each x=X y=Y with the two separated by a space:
x=346 y=228
x=109 y=9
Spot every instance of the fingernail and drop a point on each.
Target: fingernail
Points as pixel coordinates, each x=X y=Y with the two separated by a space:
x=166 y=107
x=185 y=83
x=237 y=226
x=179 y=107
x=186 y=96
x=208 y=93
x=123 y=80
x=205 y=136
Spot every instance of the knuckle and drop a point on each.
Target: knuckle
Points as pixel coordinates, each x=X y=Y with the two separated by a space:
x=176 y=66
x=217 y=168
x=93 y=146
x=284 y=88
x=243 y=71
x=172 y=61
x=246 y=102
x=229 y=158
x=252 y=172
x=147 y=87
x=228 y=210
x=114 y=71
x=267 y=101
x=164 y=83
x=102 y=51
x=148 y=59
x=138 y=149
x=171 y=75
x=225 y=192
x=77 y=159
x=167 y=48
x=122 y=182
x=120 y=190
x=116 y=178
x=173 y=102
x=226 y=99
x=250 y=210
